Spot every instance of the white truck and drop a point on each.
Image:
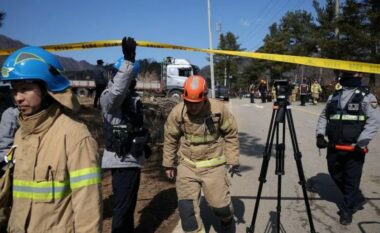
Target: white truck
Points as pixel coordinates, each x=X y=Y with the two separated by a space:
x=83 y=88
x=174 y=72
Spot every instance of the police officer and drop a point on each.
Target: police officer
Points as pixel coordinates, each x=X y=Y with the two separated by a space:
x=350 y=119
x=201 y=137
x=125 y=137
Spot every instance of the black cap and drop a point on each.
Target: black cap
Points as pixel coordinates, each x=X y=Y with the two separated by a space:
x=100 y=62
x=350 y=74
x=350 y=79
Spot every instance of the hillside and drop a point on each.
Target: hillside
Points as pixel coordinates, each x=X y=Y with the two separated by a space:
x=69 y=64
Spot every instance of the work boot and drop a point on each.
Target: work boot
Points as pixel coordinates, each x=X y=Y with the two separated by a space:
x=345 y=218
x=359 y=205
x=228 y=226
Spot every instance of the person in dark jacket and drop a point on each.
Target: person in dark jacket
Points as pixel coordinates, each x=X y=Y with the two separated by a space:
x=101 y=80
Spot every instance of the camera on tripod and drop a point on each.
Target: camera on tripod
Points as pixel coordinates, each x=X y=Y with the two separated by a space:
x=281 y=114
x=283 y=89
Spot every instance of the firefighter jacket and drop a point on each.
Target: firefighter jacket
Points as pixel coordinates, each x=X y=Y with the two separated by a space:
x=188 y=137
x=351 y=116
x=57 y=179
x=113 y=102
x=316 y=88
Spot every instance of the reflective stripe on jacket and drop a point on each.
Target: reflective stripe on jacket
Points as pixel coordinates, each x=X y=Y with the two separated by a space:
x=370 y=109
x=345 y=123
x=57 y=179
x=187 y=136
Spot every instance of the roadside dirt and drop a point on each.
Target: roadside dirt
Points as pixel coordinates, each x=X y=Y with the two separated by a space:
x=156 y=209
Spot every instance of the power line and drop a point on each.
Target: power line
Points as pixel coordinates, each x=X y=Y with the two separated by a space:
x=271 y=17
x=268 y=6
x=293 y=8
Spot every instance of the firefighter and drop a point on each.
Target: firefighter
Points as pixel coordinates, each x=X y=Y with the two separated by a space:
x=125 y=137
x=316 y=90
x=201 y=138
x=294 y=92
x=351 y=118
x=273 y=90
x=56 y=178
x=263 y=89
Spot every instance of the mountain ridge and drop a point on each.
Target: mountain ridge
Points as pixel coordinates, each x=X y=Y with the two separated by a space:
x=68 y=63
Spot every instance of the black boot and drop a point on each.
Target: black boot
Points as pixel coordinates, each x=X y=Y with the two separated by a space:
x=359 y=205
x=228 y=226
x=345 y=218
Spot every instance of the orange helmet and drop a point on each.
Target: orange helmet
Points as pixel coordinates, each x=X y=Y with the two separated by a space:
x=195 y=89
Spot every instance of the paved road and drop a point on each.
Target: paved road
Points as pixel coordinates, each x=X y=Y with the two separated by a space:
x=253 y=121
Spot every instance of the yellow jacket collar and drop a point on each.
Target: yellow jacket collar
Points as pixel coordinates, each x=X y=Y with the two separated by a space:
x=40 y=121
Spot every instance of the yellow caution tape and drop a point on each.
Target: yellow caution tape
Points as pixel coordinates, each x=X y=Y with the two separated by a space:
x=308 y=61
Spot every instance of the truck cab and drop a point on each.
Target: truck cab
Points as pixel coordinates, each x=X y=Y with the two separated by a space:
x=175 y=71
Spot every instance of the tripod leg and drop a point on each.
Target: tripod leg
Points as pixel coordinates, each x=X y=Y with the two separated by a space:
x=297 y=157
x=279 y=203
x=264 y=169
x=280 y=171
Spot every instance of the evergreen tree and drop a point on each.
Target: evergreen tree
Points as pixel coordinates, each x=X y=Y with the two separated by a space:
x=328 y=43
x=372 y=8
x=294 y=35
x=227 y=66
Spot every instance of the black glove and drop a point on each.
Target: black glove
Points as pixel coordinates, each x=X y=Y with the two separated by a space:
x=234 y=170
x=358 y=149
x=129 y=48
x=321 y=141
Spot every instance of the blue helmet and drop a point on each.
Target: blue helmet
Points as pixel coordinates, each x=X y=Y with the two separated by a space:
x=34 y=63
x=136 y=66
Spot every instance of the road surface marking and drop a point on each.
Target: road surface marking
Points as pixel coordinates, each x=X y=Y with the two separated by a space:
x=302 y=110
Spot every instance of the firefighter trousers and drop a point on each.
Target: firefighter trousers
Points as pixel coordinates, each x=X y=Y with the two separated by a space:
x=215 y=185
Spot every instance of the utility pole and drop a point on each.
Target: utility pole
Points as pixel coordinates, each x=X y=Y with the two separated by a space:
x=211 y=55
x=336 y=18
x=219 y=29
x=336 y=30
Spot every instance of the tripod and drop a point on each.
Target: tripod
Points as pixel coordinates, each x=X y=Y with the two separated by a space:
x=281 y=113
